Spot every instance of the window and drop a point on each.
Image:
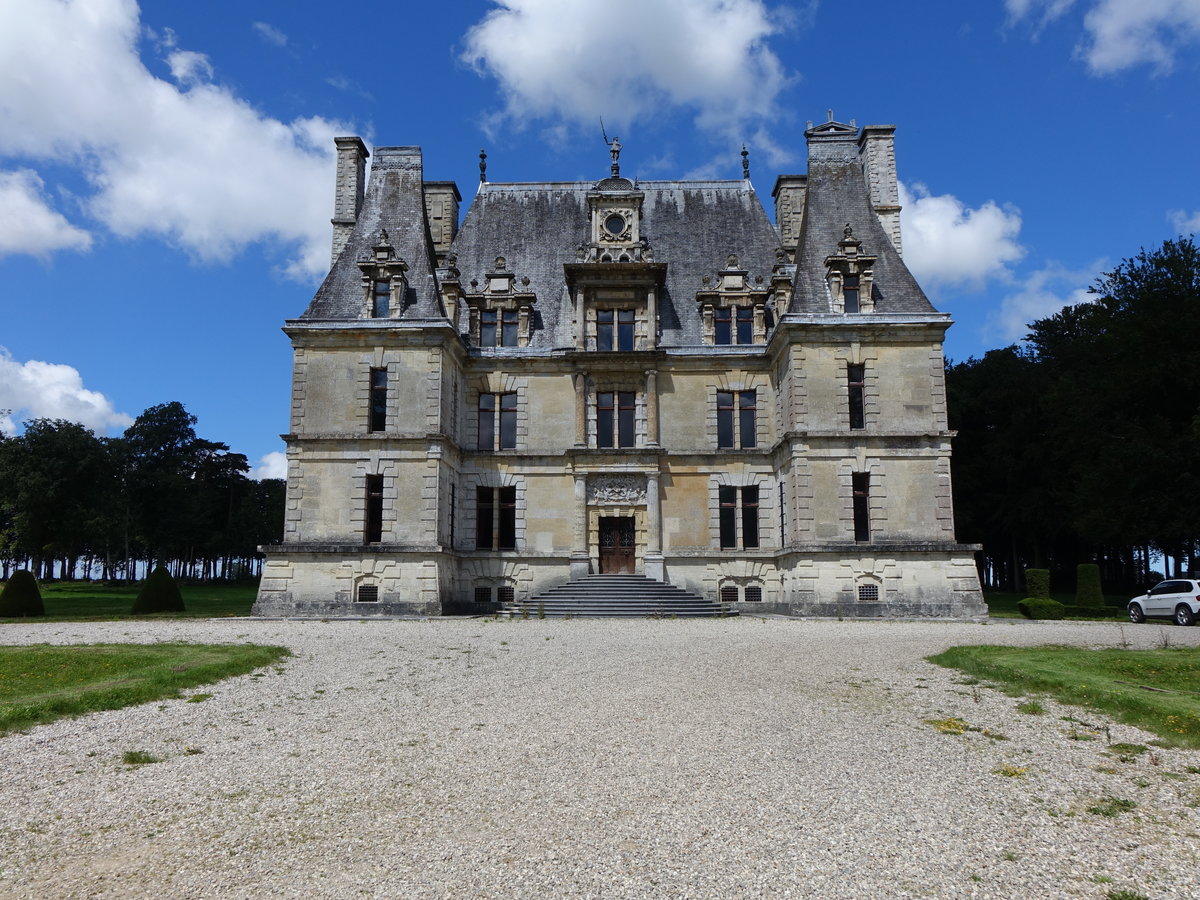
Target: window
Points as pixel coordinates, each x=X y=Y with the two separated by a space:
x=729 y=498
x=483 y=595
x=856 y=378
x=373 y=521
x=381 y=299
x=729 y=594
x=497 y=421
x=738 y=407
x=850 y=293
x=614 y=329
x=368 y=593
x=496 y=518
x=868 y=593
x=754 y=594
x=861 y=482
x=499 y=328
x=616 y=418
x=505 y=594
x=378 y=404
x=730 y=322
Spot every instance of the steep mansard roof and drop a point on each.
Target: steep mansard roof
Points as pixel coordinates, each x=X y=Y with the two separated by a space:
x=692 y=226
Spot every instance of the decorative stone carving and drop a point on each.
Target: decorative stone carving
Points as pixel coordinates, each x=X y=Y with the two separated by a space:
x=617 y=490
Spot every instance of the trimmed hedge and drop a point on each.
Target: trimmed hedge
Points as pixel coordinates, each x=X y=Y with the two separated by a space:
x=1087 y=585
x=160 y=593
x=21 y=597
x=1037 y=583
x=1041 y=608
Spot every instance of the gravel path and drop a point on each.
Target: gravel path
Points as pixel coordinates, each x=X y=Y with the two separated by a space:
x=607 y=759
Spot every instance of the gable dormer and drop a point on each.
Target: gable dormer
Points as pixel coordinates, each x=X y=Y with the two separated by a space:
x=733 y=307
x=383 y=279
x=501 y=313
x=850 y=276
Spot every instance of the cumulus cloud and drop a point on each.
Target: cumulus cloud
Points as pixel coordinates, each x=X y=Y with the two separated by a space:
x=43 y=390
x=574 y=61
x=182 y=159
x=273 y=465
x=1041 y=294
x=948 y=244
x=270 y=34
x=1183 y=222
x=1120 y=34
x=29 y=225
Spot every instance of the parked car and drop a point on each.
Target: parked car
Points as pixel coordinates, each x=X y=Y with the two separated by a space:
x=1176 y=598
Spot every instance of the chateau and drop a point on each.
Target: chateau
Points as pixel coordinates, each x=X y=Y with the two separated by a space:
x=620 y=377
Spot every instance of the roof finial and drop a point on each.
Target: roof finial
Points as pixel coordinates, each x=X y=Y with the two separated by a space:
x=614 y=150
x=830 y=114
x=482 y=166
x=745 y=163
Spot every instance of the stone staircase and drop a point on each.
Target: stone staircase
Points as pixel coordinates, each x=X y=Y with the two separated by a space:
x=619 y=596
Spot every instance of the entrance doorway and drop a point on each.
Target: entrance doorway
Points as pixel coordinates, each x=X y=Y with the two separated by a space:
x=617 y=550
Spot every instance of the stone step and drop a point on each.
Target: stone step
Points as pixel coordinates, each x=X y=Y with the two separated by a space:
x=619 y=596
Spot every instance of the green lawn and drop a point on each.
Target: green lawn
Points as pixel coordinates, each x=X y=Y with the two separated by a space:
x=1003 y=604
x=92 y=600
x=42 y=683
x=1113 y=682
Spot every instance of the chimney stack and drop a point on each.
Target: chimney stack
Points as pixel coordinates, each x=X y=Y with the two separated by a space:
x=877 y=148
x=351 y=182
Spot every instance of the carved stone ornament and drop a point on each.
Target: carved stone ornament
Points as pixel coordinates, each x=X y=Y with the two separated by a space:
x=617 y=490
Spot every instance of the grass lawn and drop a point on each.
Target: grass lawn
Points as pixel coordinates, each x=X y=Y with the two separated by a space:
x=1003 y=604
x=42 y=683
x=84 y=600
x=1113 y=682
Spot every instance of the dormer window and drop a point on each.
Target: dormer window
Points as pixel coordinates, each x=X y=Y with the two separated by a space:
x=501 y=314
x=618 y=323
x=499 y=328
x=849 y=274
x=381 y=299
x=384 y=282
x=733 y=325
x=734 y=309
x=850 y=284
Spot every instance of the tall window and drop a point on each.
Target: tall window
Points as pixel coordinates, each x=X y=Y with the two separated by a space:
x=736 y=419
x=616 y=418
x=381 y=299
x=862 y=505
x=850 y=293
x=496 y=518
x=378 y=404
x=856 y=378
x=498 y=328
x=730 y=499
x=373 y=520
x=614 y=329
x=733 y=325
x=497 y=421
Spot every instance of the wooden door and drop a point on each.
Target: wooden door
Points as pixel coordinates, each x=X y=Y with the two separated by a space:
x=616 y=545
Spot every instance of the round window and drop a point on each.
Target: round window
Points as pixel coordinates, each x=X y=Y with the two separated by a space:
x=615 y=224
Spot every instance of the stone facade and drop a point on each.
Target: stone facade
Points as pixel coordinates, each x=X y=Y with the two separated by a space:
x=610 y=376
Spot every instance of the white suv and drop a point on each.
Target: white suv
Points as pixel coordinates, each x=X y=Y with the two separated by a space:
x=1175 y=598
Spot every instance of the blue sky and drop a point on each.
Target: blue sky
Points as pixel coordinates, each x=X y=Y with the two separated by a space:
x=166 y=169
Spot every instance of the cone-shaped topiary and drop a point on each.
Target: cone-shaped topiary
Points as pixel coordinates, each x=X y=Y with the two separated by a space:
x=160 y=593
x=1087 y=585
x=21 y=596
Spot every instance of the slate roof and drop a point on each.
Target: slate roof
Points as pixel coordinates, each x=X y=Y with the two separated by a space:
x=692 y=227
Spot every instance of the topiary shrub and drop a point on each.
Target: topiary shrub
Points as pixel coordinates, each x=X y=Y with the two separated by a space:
x=160 y=593
x=1087 y=585
x=1041 y=608
x=1037 y=583
x=21 y=597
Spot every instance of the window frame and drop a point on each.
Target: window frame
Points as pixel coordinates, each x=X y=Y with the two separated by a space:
x=377 y=399
x=495 y=517
x=616 y=419
x=737 y=420
x=738 y=526
x=860 y=488
x=373 y=510
x=856 y=395
x=496 y=421
x=381 y=298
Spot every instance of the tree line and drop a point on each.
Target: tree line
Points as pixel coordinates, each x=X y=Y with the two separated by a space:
x=1083 y=445
x=74 y=505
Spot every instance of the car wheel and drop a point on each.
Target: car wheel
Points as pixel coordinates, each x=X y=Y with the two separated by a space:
x=1136 y=616
x=1183 y=615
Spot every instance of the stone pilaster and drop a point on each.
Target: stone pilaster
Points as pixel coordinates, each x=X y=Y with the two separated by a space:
x=580 y=563
x=653 y=559
x=651 y=408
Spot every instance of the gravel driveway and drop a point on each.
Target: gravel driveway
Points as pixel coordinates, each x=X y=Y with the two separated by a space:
x=609 y=759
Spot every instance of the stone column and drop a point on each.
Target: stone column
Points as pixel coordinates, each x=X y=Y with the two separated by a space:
x=580 y=562
x=651 y=408
x=654 y=556
x=580 y=409
x=580 y=323
x=651 y=320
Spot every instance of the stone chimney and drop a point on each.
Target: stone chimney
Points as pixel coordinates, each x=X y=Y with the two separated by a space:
x=441 y=210
x=876 y=146
x=348 y=197
x=789 y=194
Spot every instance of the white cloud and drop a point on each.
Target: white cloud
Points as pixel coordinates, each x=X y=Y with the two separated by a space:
x=1041 y=294
x=28 y=224
x=575 y=61
x=270 y=34
x=185 y=160
x=37 y=390
x=273 y=465
x=1120 y=34
x=947 y=244
x=1183 y=222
